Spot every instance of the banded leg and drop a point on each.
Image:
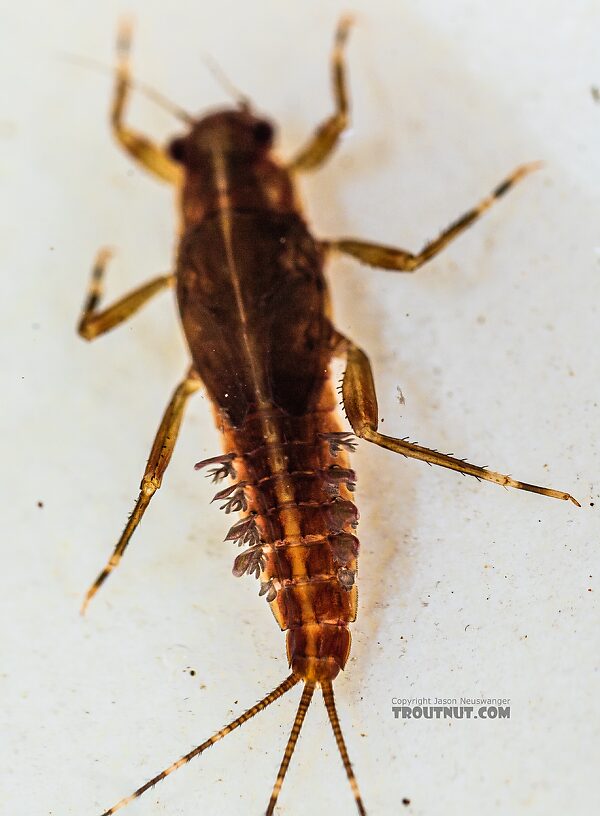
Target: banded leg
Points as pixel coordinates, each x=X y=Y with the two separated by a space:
x=145 y=152
x=160 y=456
x=360 y=404
x=400 y=260
x=94 y=323
x=327 y=135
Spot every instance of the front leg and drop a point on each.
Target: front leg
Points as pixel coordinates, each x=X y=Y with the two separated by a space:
x=145 y=152
x=360 y=404
x=327 y=135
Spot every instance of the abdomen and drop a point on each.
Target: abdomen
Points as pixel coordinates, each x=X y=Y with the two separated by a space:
x=297 y=493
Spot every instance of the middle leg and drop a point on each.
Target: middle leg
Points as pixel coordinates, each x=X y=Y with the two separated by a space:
x=93 y=322
x=401 y=260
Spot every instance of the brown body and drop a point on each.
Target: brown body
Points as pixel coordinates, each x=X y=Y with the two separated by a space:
x=254 y=308
x=253 y=302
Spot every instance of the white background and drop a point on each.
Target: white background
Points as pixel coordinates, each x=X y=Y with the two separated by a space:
x=465 y=588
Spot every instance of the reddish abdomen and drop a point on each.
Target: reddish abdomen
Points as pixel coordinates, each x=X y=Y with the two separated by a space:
x=298 y=492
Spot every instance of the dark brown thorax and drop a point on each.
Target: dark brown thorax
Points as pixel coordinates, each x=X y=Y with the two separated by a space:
x=249 y=274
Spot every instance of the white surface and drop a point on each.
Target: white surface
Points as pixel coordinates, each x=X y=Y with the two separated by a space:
x=465 y=588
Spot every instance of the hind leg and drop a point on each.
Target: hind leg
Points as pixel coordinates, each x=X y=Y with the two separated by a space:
x=360 y=403
x=160 y=456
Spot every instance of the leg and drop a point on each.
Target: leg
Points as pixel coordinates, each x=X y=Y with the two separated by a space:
x=149 y=155
x=327 y=135
x=160 y=456
x=402 y=261
x=94 y=323
x=360 y=404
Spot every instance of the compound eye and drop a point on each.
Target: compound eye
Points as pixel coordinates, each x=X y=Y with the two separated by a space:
x=176 y=150
x=263 y=133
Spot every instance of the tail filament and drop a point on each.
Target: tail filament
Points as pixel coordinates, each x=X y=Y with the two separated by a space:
x=289 y=748
x=282 y=688
x=247 y=715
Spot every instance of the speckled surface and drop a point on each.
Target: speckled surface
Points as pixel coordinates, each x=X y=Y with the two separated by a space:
x=465 y=589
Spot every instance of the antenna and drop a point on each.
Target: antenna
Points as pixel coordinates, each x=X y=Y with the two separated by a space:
x=224 y=81
x=142 y=87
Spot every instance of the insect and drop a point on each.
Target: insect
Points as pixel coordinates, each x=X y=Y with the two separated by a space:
x=254 y=307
